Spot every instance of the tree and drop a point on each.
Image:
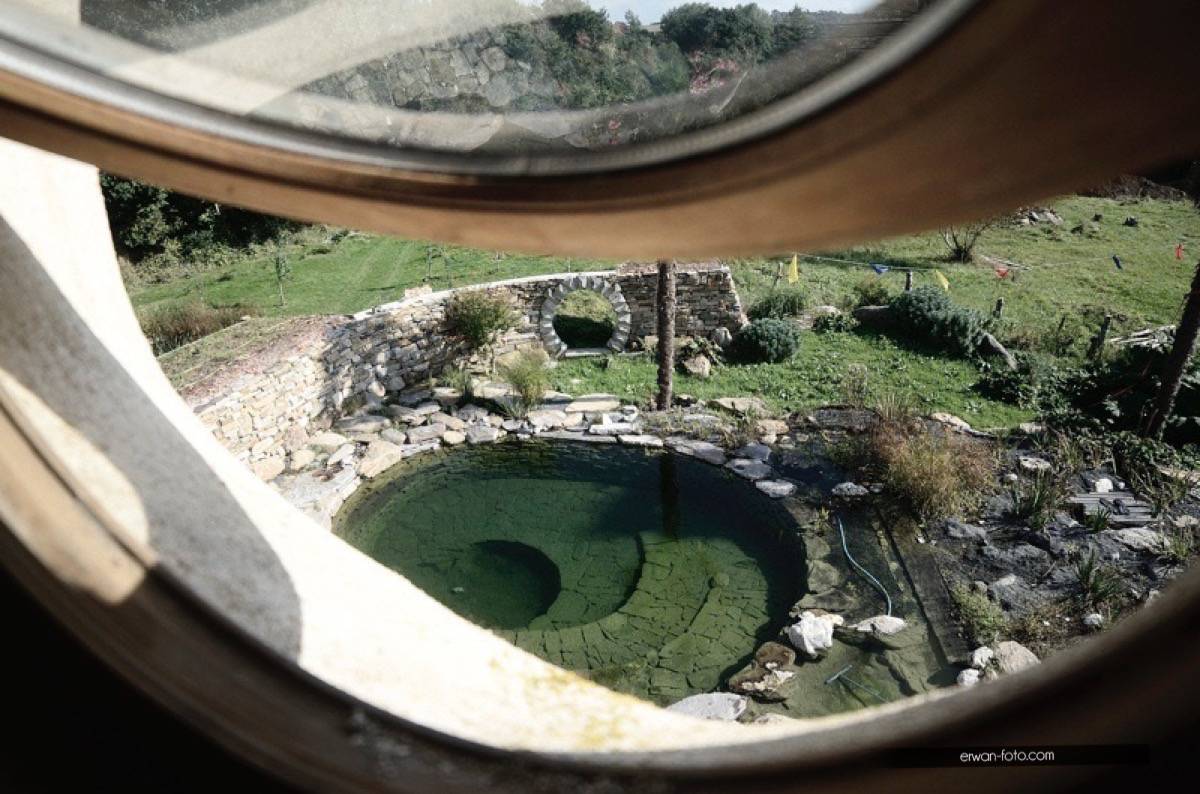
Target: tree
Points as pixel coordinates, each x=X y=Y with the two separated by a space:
x=961 y=240
x=742 y=32
x=664 y=304
x=283 y=272
x=1177 y=361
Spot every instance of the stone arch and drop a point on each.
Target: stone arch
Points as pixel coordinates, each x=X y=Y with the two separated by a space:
x=609 y=290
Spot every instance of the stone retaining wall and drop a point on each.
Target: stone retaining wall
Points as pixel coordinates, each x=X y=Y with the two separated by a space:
x=366 y=357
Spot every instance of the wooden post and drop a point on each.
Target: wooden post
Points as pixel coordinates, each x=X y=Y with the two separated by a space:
x=908 y=281
x=998 y=312
x=664 y=301
x=1097 y=347
x=1176 y=364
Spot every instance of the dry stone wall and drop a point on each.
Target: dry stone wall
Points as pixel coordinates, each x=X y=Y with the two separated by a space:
x=272 y=410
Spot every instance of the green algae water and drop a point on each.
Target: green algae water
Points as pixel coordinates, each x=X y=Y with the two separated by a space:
x=651 y=573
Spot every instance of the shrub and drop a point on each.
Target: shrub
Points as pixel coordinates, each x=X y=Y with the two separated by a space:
x=981 y=618
x=1035 y=500
x=766 y=340
x=779 y=305
x=1099 y=583
x=477 y=315
x=871 y=291
x=928 y=314
x=529 y=376
x=833 y=324
x=1035 y=381
x=180 y=324
x=961 y=240
x=935 y=475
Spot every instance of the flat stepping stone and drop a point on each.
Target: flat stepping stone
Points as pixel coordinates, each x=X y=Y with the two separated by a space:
x=593 y=403
x=776 y=489
x=718 y=706
x=641 y=441
x=570 y=435
x=750 y=469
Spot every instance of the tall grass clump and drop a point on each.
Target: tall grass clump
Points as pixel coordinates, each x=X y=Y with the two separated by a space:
x=937 y=475
x=778 y=305
x=179 y=324
x=982 y=619
x=528 y=374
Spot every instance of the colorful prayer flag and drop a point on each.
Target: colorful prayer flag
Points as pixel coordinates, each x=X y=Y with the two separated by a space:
x=1179 y=251
x=1117 y=262
x=941 y=280
x=1001 y=271
x=794 y=271
x=880 y=269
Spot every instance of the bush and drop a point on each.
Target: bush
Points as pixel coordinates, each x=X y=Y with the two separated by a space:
x=779 y=305
x=477 y=315
x=928 y=314
x=1035 y=380
x=529 y=376
x=935 y=475
x=833 y=324
x=180 y=324
x=981 y=618
x=871 y=291
x=766 y=340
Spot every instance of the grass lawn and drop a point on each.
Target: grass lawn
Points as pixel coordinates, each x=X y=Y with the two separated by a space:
x=1059 y=274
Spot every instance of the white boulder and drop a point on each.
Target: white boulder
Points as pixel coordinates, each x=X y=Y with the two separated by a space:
x=813 y=634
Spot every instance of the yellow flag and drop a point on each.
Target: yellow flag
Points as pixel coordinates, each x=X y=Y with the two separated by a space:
x=937 y=274
x=794 y=271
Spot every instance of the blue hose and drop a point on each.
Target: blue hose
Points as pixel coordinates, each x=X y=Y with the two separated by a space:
x=862 y=570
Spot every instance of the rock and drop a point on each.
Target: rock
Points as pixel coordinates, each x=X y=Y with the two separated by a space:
x=698 y=367
x=380 y=456
x=344 y=452
x=593 y=403
x=960 y=531
x=750 y=469
x=981 y=657
x=720 y=706
x=771 y=427
x=376 y=389
x=547 y=419
x=1033 y=464
x=1031 y=428
x=450 y=422
x=327 y=441
x=301 y=459
x=776 y=489
x=742 y=406
x=363 y=423
x=684 y=400
x=882 y=625
x=849 y=490
x=571 y=435
x=990 y=346
x=880 y=318
x=614 y=428
x=761 y=683
x=268 y=469
x=1102 y=485
x=515 y=426
x=1012 y=657
x=1138 y=538
x=472 y=414
x=759 y=452
x=721 y=337
x=951 y=421
x=453 y=438
x=825 y=311
x=704 y=450
x=394 y=436
x=1093 y=621
x=641 y=440
x=481 y=434
x=852 y=420
x=813 y=633
x=1012 y=593
x=427 y=408
x=446 y=396
x=406 y=415
x=423 y=433
x=968 y=677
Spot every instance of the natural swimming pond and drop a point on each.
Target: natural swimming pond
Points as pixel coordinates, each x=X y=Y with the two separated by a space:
x=651 y=573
